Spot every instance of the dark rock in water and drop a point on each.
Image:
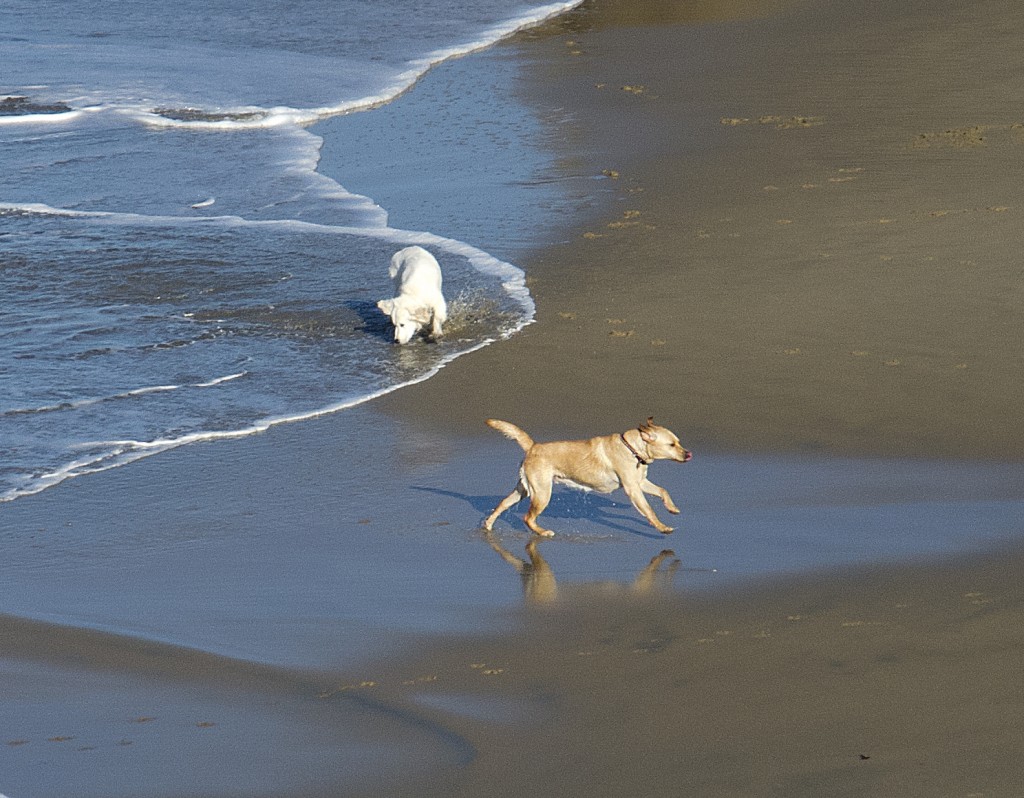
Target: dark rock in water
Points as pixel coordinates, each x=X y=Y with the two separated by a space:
x=18 y=105
x=199 y=115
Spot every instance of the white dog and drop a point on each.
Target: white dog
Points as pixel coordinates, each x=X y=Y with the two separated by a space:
x=418 y=299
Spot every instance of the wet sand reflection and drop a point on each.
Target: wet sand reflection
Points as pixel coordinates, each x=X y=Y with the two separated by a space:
x=540 y=587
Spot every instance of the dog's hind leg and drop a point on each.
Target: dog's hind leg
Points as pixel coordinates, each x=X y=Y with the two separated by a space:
x=540 y=496
x=512 y=499
x=657 y=490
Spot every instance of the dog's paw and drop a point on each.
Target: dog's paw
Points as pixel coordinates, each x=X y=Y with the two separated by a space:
x=673 y=509
x=665 y=530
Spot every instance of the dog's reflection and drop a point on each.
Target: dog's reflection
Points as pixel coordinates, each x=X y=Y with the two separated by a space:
x=541 y=587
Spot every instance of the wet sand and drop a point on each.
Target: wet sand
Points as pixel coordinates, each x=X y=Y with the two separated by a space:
x=800 y=252
x=810 y=247
x=265 y=619
x=881 y=682
x=808 y=242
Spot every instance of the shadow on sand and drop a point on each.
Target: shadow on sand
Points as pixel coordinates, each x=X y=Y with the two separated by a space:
x=572 y=505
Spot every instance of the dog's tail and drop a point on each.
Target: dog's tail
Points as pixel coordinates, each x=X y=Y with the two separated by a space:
x=511 y=431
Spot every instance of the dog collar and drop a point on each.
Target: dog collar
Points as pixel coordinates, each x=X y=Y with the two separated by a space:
x=639 y=460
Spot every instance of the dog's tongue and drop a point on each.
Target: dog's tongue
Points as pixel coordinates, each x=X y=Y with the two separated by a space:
x=689 y=457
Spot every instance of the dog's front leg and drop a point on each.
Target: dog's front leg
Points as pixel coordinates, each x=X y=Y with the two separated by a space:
x=647 y=579
x=636 y=495
x=437 y=319
x=657 y=490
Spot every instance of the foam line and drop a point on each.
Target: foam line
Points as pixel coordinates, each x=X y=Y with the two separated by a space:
x=80 y=403
x=254 y=117
x=513 y=278
x=122 y=452
x=38 y=119
x=219 y=380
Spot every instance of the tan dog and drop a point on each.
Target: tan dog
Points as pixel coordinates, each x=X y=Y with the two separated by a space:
x=602 y=464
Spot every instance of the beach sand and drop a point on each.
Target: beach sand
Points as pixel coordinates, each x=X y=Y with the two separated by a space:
x=796 y=248
x=879 y=682
x=811 y=243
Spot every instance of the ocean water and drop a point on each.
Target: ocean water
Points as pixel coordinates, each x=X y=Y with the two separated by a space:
x=173 y=265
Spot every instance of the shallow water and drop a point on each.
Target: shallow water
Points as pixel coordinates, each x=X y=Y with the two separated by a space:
x=321 y=544
x=168 y=331
x=179 y=268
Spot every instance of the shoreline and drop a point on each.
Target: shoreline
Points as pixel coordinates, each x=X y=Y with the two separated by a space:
x=321 y=594
x=827 y=282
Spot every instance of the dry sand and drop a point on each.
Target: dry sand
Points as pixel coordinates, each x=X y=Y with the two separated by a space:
x=806 y=241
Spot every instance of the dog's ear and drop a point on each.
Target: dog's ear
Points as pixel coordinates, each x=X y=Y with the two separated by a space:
x=386 y=306
x=647 y=430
